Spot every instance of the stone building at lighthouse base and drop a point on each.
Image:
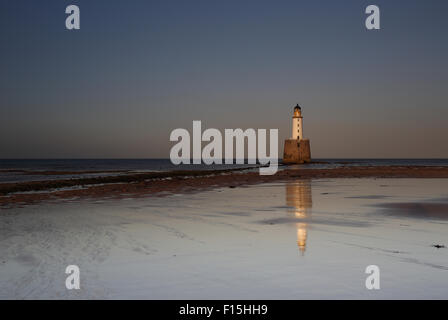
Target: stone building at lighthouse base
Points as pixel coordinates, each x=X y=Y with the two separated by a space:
x=297 y=151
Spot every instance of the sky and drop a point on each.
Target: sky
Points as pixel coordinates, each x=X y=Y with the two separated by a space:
x=136 y=70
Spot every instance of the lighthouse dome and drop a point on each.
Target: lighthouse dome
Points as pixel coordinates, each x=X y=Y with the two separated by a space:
x=297 y=111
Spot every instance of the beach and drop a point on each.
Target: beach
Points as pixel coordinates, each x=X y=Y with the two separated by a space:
x=125 y=184
x=301 y=234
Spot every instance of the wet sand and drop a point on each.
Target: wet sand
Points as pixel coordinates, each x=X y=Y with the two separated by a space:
x=300 y=234
x=293 y=239
x=163 y=183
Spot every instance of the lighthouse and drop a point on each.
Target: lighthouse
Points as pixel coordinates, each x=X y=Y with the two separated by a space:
x=297 y=123
x=297 y=149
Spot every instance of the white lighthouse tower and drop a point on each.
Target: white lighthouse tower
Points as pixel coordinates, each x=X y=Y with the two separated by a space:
x=297 y=149
x=297 y=124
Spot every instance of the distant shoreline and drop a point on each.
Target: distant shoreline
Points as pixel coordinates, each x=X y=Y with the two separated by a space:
x=165 y=183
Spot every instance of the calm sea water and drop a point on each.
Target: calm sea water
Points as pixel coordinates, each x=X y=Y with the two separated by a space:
x=12 y=170
x=22 y=170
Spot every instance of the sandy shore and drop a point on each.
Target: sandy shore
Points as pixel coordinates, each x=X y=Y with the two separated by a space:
x=163 y=183
x=299 y=239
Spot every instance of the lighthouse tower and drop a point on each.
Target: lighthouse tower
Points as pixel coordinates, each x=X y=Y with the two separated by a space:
x=297 y=124
x=297 y=149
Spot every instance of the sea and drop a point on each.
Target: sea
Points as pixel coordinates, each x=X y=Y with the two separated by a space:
x=23 y=170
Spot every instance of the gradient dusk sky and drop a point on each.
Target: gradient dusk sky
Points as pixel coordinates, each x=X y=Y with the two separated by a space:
x=139 y=69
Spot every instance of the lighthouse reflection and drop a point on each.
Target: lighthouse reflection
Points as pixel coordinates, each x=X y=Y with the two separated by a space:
x=299 y=197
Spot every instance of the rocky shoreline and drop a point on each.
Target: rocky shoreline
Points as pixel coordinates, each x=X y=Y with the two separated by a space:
x=165 y=183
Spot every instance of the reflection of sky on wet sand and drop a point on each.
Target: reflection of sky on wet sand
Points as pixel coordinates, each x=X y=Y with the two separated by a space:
x=235 y=243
